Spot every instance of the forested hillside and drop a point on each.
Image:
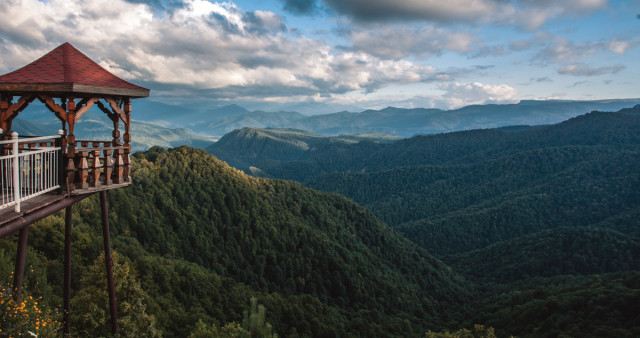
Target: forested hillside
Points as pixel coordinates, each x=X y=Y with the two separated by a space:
x=543 y=220
x=203 y=238
x=462 y=191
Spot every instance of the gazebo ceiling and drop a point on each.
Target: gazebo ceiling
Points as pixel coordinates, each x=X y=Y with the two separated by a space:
x=65 y=71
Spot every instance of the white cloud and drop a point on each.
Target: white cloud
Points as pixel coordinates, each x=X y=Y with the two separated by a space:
x=215 y=49
x=562 y=51
x=462 y=94
x=395 y=42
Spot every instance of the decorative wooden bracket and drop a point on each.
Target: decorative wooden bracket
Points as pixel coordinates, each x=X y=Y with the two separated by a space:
x=61 y=112
x=85 y=105
x=8 y=110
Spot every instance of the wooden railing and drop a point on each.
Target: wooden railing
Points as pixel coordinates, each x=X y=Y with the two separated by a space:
x=98 y=164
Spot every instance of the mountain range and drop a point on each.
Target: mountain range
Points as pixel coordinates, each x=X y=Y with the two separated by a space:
x=156 y=123
x=393 y=121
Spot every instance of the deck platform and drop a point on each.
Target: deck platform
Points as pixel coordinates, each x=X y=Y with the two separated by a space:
x=36 y=203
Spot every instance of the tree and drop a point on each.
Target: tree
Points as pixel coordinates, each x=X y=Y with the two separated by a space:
x=479 y=331
x=231 y=330
x=254 y=323
x=90 y=307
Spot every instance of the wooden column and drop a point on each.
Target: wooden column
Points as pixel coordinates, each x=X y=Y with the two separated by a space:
x=21 y=257
x=108 y=262
x=5 y=123
x=71 y=145
x=127 y=139
x=67 y=272
x=5 y=126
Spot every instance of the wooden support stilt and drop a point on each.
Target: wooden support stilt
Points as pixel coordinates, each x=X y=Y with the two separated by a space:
x=67 y=273
x=20 y=261
x=108 y=262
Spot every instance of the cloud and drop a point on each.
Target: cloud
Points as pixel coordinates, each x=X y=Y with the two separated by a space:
x=560 y=51
x=198 y=49
x=396 y=42
x=584 y=70
x=527 y=14
x=429 y=10
x=300 y=6
x=460 y=94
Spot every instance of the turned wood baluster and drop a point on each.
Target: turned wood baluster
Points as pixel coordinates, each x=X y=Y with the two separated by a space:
x=108 y=165
x=117 y=166
x=95 y=164
x=83 y=169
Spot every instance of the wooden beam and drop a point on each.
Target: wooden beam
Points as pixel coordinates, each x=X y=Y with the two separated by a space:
x=28 y=218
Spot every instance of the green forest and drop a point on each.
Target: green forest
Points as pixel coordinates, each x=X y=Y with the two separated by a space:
x=527 y=231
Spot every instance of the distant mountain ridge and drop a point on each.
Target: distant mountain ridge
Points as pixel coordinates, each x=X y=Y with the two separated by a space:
x=403 y=122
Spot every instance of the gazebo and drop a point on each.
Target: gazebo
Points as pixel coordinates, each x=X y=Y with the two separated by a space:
x=43 y=175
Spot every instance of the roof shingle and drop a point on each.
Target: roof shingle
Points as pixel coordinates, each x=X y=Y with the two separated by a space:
x=66 y=65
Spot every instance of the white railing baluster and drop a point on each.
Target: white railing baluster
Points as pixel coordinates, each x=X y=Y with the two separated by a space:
x=16 y=171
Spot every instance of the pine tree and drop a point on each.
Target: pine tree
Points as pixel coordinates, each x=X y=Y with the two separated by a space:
x=254 y=322
x=90 y=307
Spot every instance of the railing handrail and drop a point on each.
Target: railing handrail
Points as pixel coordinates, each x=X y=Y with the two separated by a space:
x=30 y=139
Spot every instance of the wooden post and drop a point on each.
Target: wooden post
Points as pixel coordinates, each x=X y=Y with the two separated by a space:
x=127 y=139
x=108 y=262
x=21 y=256
x=71 y=145
x=67 y=272
x=5 y=122
x=5 y=125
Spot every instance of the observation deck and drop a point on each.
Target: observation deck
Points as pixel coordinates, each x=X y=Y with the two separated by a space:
x=43 y=175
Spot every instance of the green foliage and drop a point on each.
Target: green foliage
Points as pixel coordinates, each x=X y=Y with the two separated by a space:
x=456 y=192
x=569 y=306
x=90 y=314
x=553 y=252
x=230 y=330
x=479 y=331
x=279 y=237
x=254 y=322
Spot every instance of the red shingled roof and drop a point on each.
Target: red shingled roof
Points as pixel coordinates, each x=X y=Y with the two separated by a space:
x=67 y=70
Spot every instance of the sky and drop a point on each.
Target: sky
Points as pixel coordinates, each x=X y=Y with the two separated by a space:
x=328 y=55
